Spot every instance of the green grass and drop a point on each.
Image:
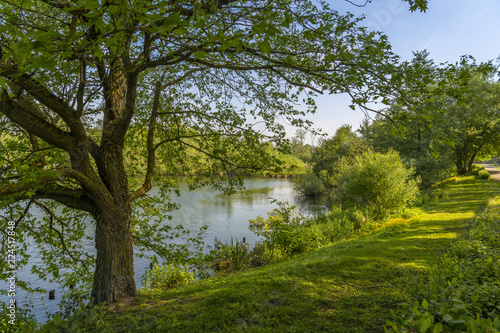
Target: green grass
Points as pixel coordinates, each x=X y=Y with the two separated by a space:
x=349 y=286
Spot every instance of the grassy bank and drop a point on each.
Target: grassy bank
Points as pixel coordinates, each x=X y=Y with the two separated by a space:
x=349 y=286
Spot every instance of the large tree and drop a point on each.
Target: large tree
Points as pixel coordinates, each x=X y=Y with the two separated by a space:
x=86 y=82
x=471 y=115
x=451 y=114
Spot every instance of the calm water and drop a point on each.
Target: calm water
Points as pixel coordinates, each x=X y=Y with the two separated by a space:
x=226 y=217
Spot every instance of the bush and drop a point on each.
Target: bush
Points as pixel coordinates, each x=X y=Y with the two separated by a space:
x=19 y=320
x=284 y=230
x=310 y=185
x=166 y=276
x=287 y=233
x=380 y=181
x=483 y=174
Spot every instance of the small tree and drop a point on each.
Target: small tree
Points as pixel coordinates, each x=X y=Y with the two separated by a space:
x=378 y=180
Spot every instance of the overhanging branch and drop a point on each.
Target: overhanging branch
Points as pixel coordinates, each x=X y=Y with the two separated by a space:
x=46 y=97
x=27 y=117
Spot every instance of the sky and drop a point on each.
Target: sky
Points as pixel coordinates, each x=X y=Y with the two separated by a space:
x=448 y=30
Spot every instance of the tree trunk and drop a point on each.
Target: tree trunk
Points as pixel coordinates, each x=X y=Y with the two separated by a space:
x=114 y=272
x=471 y=162
x=461 y=167
x=461 y=160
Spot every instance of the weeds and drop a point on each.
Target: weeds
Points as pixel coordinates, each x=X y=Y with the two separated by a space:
x=166 y=276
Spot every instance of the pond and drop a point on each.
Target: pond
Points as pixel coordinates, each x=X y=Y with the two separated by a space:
x=225 y=216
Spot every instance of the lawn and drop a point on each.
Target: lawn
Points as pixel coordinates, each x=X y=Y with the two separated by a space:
x=350 y=286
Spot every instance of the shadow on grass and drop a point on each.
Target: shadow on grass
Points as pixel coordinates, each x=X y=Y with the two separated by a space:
x=351 y=286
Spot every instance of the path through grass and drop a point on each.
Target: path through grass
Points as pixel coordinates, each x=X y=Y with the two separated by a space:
x=350 y=286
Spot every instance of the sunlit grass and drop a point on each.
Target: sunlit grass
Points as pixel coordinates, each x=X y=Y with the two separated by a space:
x=350 y=286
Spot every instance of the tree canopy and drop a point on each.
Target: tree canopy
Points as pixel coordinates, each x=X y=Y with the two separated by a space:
x=87 y=84
x=450 y=115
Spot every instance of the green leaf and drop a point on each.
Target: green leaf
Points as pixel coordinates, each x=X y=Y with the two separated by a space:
x=447 y=318
x=99 y=54
x=272 y=30
x=3 y=83
x=259 y=28
x=200 y=54
x=425 y=304
x=175 y=19
x=265 y=47
x=425 y=325
x=438 y=328
x=43 y=63
x=496 y=323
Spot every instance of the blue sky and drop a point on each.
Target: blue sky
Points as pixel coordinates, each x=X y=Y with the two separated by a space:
x=448 y=30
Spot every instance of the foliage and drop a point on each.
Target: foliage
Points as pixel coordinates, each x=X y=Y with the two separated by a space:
x=238 y=254
x=310 y=185
x=415 y=144
x=286 y=164
x=298 y=146
x=483 y=174
x=451 y=111
x=166 y=276
x=495 y=160
x=350 y=286
x=17 y=321
x=476 y=168
x=344 y=143
x=84 y=319
x=379 y=181
x=462 y=292
x=282 y=230
x=234 y=255
x=328 y=159
x=287 y=233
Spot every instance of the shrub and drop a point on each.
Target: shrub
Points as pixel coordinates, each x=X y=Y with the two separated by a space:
x=310 y=185
x=166 y=276
x=380 y=181
x=483 y=174
x=284 y=230
x=475 y=170
x=431 y=169
x=19 y=321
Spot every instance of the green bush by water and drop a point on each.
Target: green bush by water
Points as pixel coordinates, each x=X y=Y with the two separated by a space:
x=310 y=185
x=287 y=233
x=378 y=181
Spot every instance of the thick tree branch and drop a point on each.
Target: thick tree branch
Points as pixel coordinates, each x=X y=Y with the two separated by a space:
x=46 y=97
x=29 y=118
x=49 y=177
x=76 y=199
